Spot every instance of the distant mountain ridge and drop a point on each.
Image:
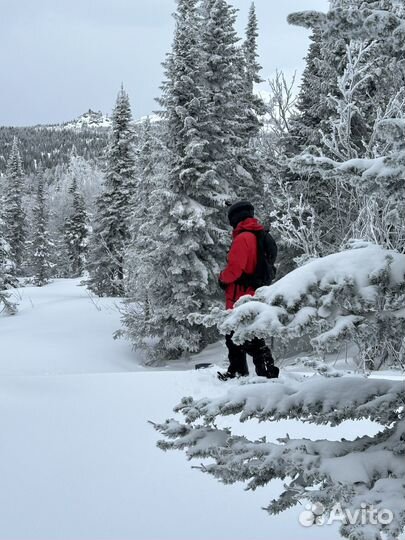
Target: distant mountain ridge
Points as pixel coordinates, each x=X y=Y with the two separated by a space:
x=89 y=120
x=49 y=145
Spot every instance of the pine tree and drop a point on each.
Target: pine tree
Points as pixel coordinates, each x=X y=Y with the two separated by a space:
x=210 y=118
x=7 y=266
x=180 y=263
x=41 y=246
x=76 y=232
x=310 y=106
x=250 y=49
x=352 y=93
x=7 y=279
x=252 y=109
x=13 y=212
x=223 y=83
x=111 y=224
x=254 y=105
x=149 y=164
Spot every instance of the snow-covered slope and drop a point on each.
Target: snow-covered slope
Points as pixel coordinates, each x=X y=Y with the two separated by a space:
x=78 y=458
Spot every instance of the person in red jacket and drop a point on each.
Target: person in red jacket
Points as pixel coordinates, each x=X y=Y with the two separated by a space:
x=242 y=260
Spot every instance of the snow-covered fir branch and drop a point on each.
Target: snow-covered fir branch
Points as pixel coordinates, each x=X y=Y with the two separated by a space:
x=367 y=471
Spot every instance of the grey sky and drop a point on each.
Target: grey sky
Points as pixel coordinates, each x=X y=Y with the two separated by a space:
x=61 y=57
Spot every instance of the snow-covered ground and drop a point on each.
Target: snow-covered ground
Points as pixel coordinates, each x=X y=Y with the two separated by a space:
x=78 y=458
x=62 y=329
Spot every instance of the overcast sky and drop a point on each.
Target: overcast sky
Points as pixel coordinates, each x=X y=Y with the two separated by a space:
x=59 y=58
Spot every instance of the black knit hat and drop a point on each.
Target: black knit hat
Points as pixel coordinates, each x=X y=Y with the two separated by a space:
x=240 y=211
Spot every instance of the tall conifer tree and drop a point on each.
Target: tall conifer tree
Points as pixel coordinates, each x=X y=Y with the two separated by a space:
x=76 y=232
x=181 y=261
x=252 y=109
x=7 y=265
x=111 y=224
x=13 y=213
x=41 y=246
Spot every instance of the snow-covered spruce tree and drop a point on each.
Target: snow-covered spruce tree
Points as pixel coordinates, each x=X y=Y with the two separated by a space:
x=313 y=111
x=7 y=275
x=76 y=232
x=378 y=183
x=228 y=120
x=252 y=109
x=182 y=236
x=8 y=278
x=13 y=211
x=110 y=226
x=363 y=146
x=325 y=62
x=89 y=179
x=150 y=155
x=41 y=246
x=366 y=39
x=311 y=107
x=88 y=176
x=253 y=67
x=356 y=295
x=151 y=165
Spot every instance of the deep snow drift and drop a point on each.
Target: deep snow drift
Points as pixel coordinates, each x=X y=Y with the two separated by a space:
x=78 y=458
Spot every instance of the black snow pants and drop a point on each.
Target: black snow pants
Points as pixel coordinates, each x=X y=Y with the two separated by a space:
x=257 y=348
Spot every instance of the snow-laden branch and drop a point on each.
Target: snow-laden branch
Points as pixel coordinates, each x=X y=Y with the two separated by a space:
x=356 y=295
x=366 y=471
x=317 y=400
x=353 y=295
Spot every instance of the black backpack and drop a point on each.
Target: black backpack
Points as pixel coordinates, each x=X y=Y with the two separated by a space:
x=265 y=270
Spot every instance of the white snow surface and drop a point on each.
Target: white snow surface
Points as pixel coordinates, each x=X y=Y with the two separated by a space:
x=78 y=458
x=59 y=330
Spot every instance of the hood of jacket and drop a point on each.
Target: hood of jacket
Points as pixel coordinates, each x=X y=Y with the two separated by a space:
x=250 y=224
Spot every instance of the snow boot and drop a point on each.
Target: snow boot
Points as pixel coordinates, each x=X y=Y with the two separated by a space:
x=264 y=363
x=230 y=375
x=272 y=371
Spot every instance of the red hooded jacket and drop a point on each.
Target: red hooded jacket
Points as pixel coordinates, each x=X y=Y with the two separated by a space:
x=242 y=258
